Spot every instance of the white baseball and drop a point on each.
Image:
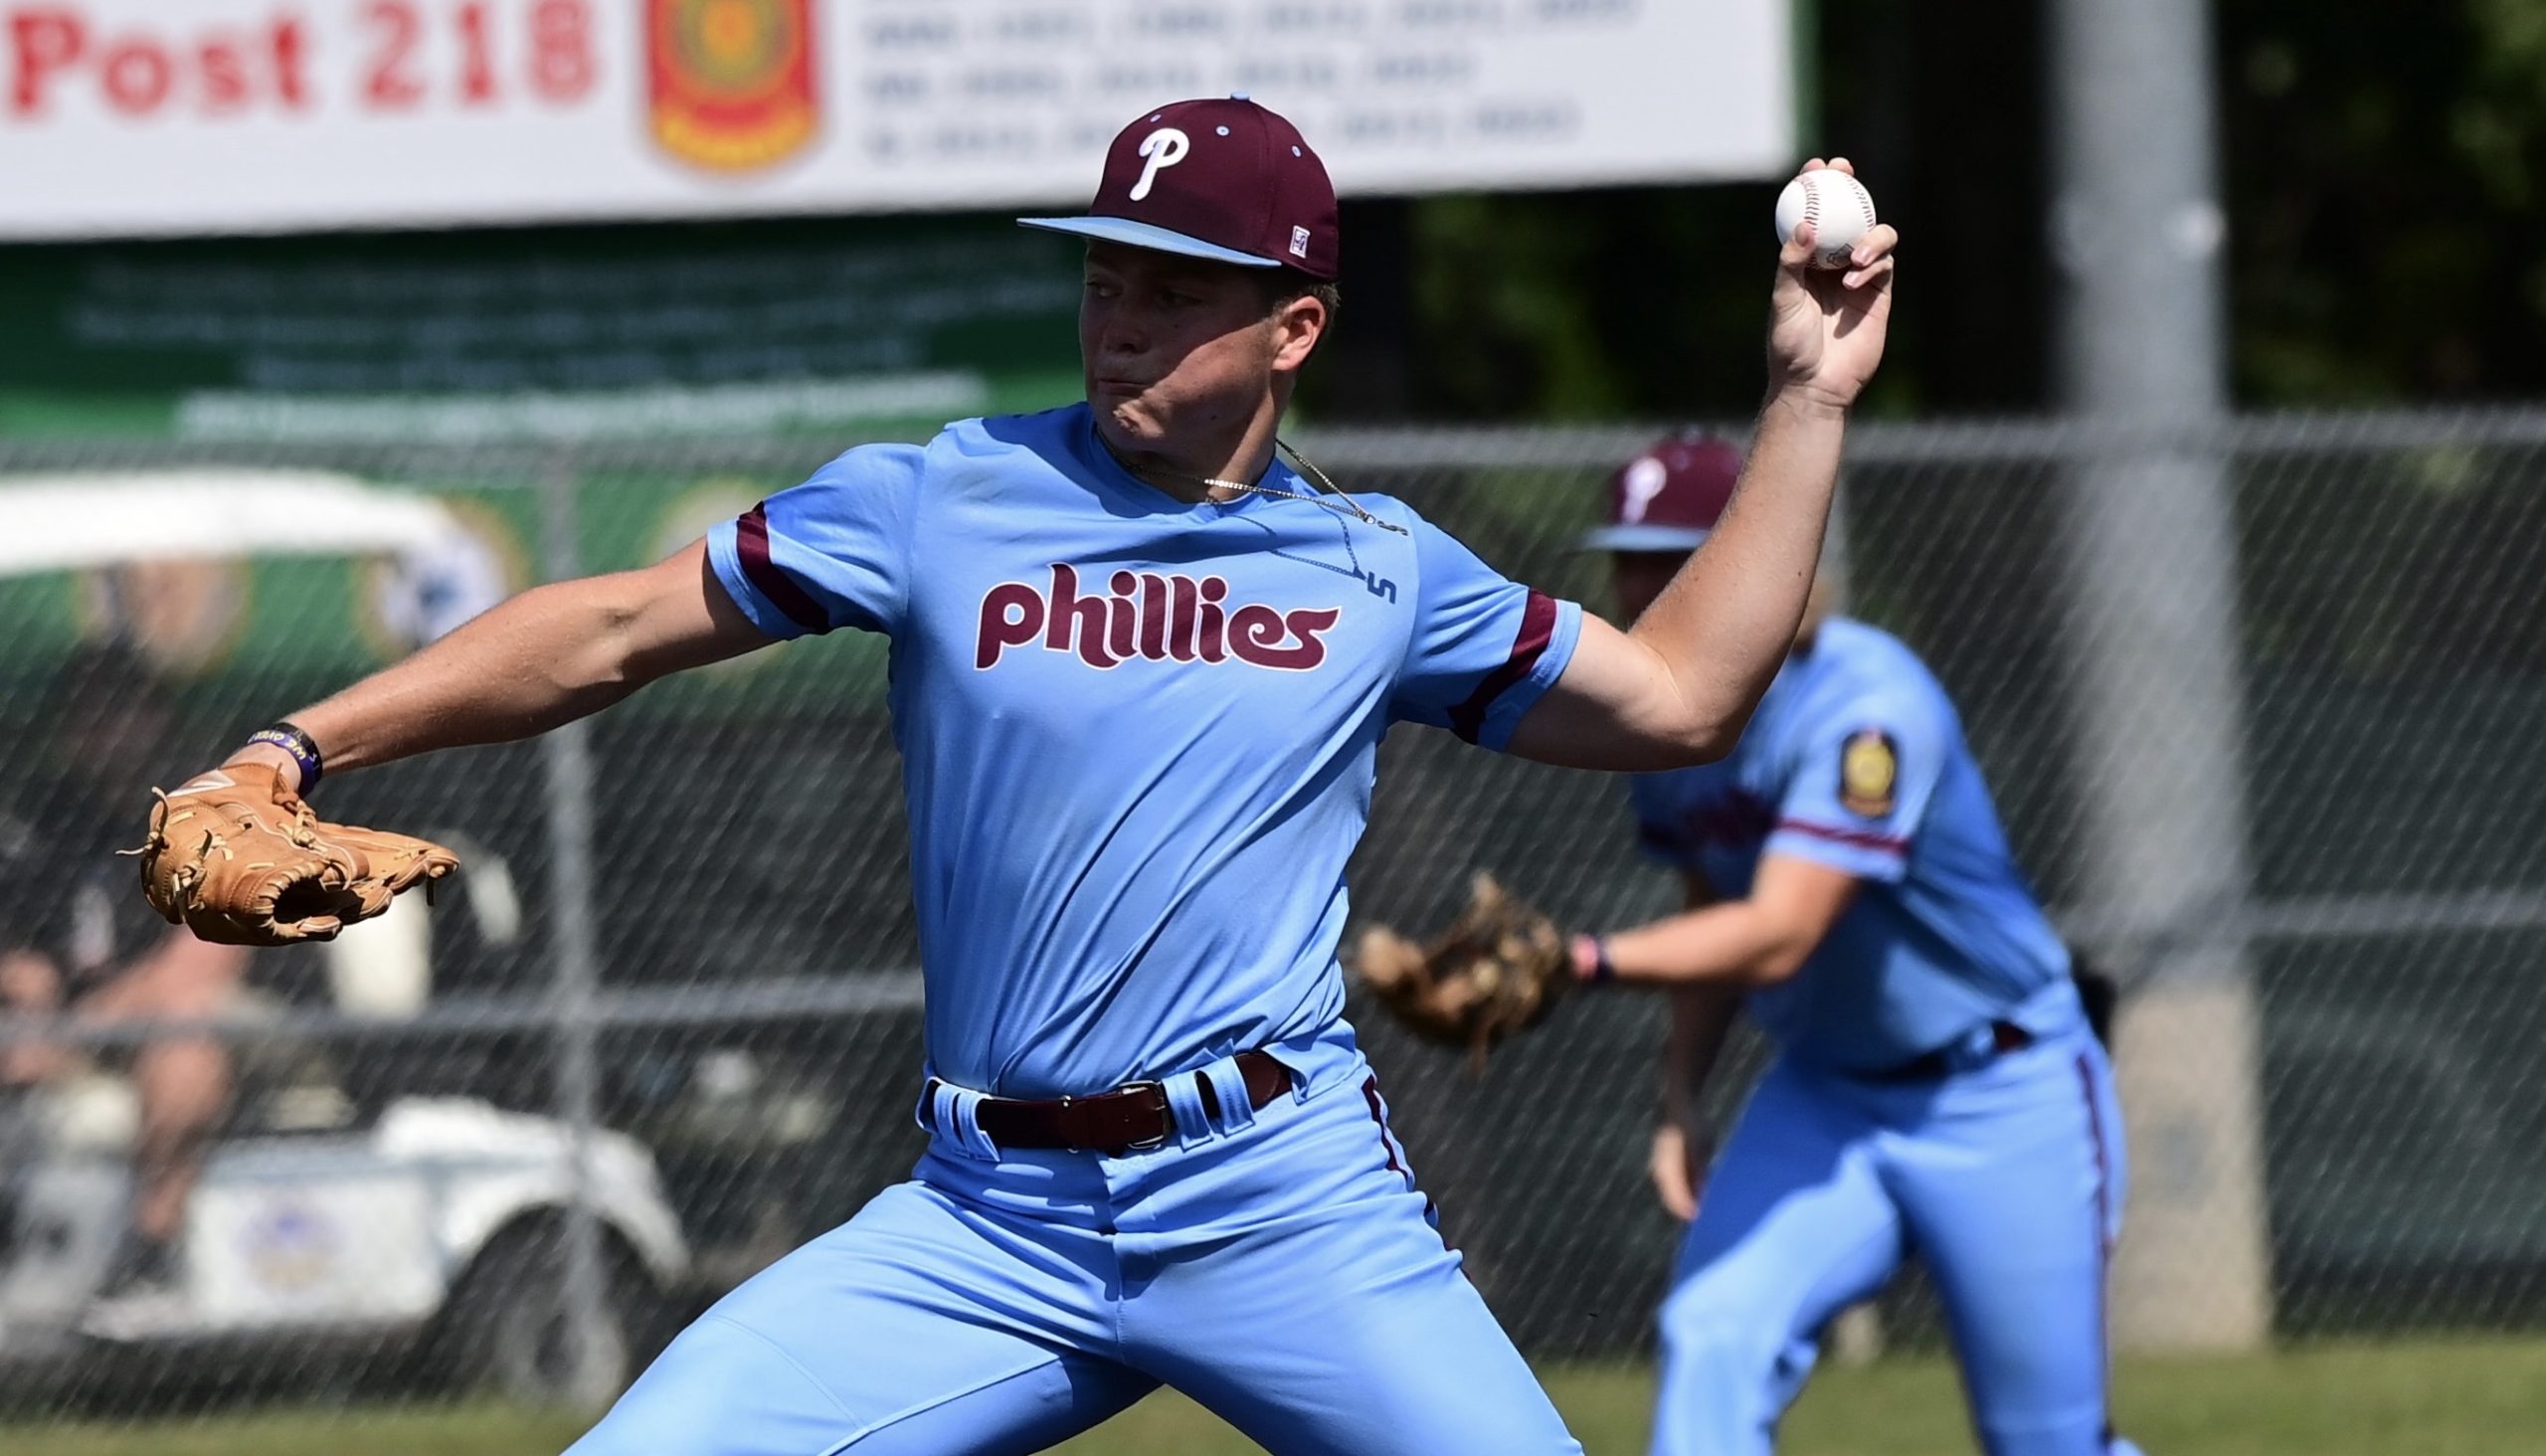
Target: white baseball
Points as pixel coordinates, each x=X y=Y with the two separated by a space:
x=1839 y=206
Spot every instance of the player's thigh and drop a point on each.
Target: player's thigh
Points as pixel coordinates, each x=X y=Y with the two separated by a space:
x=724 y=1390
x=1415 y=1366
x=921 y=1326
x=2013 y=1214
x=1794 y=1225
x=1330 y=1319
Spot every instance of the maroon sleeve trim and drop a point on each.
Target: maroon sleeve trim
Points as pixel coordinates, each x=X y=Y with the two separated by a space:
x=1854 y=838
x=751 y=544
x=1538 y=629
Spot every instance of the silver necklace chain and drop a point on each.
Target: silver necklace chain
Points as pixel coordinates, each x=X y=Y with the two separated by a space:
x=1318 y=478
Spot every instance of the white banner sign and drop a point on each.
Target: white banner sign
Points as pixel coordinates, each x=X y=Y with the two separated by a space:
x=126 y=117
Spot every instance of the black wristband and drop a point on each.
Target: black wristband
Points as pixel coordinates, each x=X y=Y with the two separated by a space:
x=304 y=750
x=1601 y=971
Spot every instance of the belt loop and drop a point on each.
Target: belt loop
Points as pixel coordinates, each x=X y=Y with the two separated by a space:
x=1230 y=1090
x=944 y=1121
x=1184 y=1104
x=958 y=1111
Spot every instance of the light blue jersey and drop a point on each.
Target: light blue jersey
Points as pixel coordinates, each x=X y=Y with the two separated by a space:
x=1857 y=760
x=1137 y=735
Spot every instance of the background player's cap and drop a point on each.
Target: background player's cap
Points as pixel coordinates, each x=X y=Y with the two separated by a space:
x=1225 y=180
x=1669 y=498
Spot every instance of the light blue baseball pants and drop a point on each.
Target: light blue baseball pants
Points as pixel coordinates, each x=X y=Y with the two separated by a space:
x=1284 y=1271
x=2006 y=1181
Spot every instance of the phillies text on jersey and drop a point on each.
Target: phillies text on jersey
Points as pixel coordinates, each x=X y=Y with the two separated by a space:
x=1152 y=616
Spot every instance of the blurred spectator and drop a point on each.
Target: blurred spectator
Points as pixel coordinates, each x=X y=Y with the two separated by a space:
x=76 y=939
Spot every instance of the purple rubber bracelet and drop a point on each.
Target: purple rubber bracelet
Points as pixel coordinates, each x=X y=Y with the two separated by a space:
x=304 y=750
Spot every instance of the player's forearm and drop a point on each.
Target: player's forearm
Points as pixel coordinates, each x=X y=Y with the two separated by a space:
x=1734 y=947
x=546 y=657
x=1700 y=1022
x=1728 y=619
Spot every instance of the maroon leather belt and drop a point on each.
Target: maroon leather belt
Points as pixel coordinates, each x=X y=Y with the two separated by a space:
x=1130 y=1118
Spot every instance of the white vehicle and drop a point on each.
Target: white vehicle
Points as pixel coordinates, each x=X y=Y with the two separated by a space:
x=437 y=1231
x=436 y=1227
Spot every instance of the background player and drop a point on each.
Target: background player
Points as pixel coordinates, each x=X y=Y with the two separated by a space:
x=1139 y=674
x=1936 y=1086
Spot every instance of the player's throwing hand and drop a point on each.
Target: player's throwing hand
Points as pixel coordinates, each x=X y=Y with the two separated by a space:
x=1826 y=326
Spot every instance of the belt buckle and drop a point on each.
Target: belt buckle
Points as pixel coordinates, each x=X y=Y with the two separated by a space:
x=1165 y=1116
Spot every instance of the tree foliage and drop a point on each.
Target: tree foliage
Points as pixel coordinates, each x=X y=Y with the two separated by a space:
x=2383 y=170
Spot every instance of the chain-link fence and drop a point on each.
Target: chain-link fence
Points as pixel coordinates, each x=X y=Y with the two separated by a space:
x=676 y=987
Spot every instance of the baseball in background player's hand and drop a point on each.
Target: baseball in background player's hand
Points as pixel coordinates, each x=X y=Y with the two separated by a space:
x=1678 y=1168
x=1826 y=325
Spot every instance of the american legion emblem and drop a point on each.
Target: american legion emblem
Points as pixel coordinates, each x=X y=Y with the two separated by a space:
x=1869 y=773
x=733 y=80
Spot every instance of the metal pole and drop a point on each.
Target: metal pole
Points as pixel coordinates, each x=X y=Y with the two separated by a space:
x=567 y=755
x=2151 y=551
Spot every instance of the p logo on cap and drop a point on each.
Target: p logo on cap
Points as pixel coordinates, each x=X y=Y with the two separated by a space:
x=1669 y=498
x=1248 y=190
x=1644 y=480
x=1163 y=147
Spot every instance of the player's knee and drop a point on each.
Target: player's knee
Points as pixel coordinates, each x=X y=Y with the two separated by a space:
x=1719 y=1342
x=1724 y=1379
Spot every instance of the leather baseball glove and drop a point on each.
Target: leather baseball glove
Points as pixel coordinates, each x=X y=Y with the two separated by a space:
x=240 y=860
x=1497 y=970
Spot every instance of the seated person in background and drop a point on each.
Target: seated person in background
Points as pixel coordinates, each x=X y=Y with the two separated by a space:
x=75 y=940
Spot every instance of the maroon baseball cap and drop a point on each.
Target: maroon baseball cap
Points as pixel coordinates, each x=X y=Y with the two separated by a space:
x=1225 y=180
x=1669 y=498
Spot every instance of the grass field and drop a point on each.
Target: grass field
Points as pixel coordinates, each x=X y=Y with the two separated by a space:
x=2427 y=1400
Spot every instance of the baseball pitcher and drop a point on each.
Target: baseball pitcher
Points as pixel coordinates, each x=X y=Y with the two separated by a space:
x=1139 y=672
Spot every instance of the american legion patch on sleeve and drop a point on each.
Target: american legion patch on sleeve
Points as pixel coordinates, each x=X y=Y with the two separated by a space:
x=1869 y=773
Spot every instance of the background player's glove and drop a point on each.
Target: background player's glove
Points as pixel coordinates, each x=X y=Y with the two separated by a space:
x=240 y=860
x=1497 y=970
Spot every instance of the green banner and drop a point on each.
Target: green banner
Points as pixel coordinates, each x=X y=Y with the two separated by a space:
x=763 y=326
